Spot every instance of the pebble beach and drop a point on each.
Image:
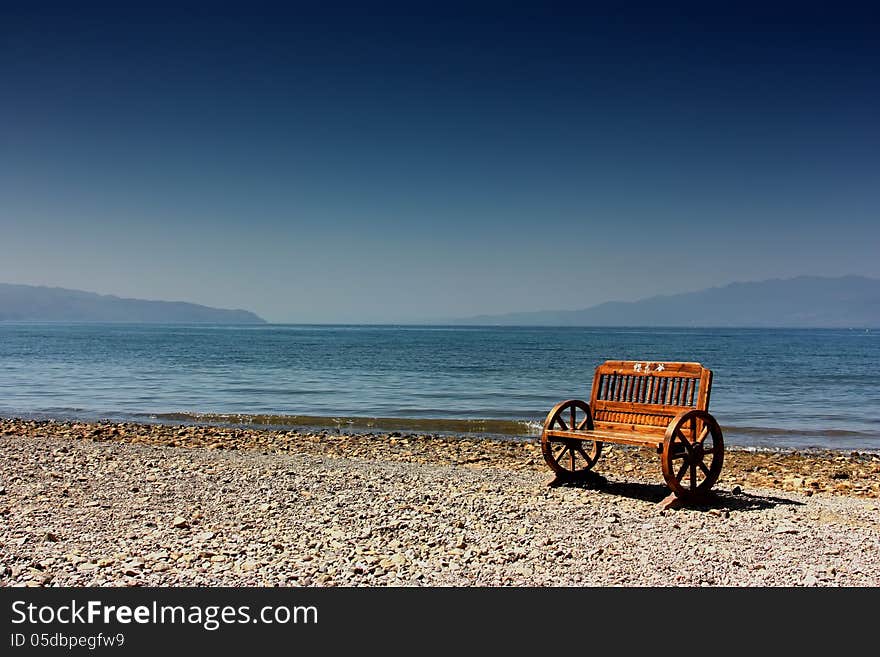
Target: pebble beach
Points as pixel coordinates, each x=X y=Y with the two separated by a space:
x=126 y=504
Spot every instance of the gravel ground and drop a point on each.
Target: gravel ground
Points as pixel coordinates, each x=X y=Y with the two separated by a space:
x=78 y=509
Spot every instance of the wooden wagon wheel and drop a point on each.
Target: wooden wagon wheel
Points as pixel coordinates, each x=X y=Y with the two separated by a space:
x=693 y=453
x=569 y=457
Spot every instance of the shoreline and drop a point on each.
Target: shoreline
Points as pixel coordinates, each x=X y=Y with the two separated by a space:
x=772 y=439
x=807 y=471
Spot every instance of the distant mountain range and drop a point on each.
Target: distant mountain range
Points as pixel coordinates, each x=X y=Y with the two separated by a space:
x=803 y=302
x=55 y=304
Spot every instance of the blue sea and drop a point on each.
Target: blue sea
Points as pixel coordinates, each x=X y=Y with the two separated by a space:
x=772 y=388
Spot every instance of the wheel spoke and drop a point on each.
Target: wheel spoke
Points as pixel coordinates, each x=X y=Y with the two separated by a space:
x=681 y=471
x=571 y=453
x=562 y=453
x=684 y=441
x=561 y=422
x=573 y=411
x=580 y=449
x=583 y=424
x=693 y=475
x=703 y=468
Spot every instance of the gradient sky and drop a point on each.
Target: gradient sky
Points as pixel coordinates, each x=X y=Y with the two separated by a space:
x=324 y=162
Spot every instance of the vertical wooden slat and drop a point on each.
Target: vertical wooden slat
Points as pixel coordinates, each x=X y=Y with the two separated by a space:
x=705 y=389
x=594 y=390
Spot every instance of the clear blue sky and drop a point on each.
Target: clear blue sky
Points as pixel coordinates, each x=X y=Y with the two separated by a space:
x=323 y=162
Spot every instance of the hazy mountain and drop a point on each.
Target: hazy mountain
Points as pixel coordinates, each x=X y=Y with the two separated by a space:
x=50 y=304
x=806 y=301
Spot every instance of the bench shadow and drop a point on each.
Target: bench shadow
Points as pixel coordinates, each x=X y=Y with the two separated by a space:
x=656 y=493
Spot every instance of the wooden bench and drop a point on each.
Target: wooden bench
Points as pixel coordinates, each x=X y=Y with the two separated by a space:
x=662 y=406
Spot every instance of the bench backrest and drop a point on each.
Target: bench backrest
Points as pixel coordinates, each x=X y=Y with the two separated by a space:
x=644 y=397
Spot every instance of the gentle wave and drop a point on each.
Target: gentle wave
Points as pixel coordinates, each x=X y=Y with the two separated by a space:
x=522 y=428
x=498 y=427
x=478 y=426
x=747 y=437
x=775 y=431
x=519 y=428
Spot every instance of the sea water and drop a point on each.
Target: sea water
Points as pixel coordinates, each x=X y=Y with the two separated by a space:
x=772 y=387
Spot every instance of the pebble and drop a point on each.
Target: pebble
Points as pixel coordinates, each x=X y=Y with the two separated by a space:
x=312 y=509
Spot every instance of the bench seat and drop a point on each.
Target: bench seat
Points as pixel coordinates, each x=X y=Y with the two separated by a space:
x=611 y=436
